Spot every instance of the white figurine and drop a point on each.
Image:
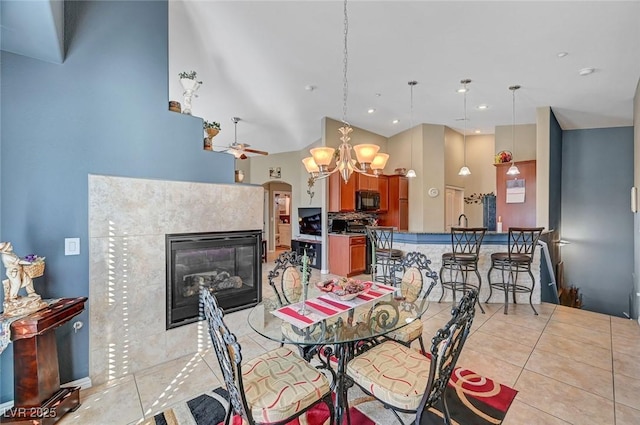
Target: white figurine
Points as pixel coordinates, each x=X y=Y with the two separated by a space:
x=17 y=278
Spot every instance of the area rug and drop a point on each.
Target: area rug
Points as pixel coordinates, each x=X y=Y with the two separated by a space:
x=472 y=400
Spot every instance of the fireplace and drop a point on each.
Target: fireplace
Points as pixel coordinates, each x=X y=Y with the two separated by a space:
x=226 y=263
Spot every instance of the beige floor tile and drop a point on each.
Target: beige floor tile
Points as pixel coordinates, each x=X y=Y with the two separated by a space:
x=497 y=327
x=98 y=388
x=625 y=327
x=624 y=364
x=583 y=313
x=167 y=384
x=112 y=405
x=522 y=414
x=626 y=415
x=588 y=336
x=488 y=366
x=627 y=390
x=591 y=322
x=581 y=375
x=626 y=345
x=528 y=320
x=576 y=350
x=512 y=352
x=564 y=401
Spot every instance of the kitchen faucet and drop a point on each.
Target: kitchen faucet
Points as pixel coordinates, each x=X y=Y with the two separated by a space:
x=466 y=220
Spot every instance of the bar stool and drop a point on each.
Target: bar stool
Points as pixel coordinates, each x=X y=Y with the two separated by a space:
x=383 y=253
x=465 y=244
x=522 y=244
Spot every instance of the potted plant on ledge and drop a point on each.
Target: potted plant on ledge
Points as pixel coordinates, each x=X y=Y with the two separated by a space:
x=190 y=84
x=212 y=129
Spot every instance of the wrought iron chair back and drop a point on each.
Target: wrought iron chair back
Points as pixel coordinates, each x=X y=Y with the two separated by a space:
x=446 y=347
x=229 y=356
x=384 y=254
x=523 y=240
x=286 y=277
x=412 y=270
x=467 y=240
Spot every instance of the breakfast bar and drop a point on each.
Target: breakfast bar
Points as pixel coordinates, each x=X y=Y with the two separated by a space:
x=433 y=245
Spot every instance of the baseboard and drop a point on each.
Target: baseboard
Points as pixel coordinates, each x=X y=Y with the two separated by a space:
x=83 y=383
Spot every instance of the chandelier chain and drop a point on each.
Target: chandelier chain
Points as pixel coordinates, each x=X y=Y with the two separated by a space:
x=345 y=60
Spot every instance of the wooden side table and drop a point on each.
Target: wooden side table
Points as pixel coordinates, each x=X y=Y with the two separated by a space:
x=38 y=398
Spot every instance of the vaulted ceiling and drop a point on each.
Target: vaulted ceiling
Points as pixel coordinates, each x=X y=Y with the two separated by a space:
x=278 y=65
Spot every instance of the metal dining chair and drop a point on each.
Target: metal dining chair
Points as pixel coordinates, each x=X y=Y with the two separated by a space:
x=404 y=380
x=273 y=388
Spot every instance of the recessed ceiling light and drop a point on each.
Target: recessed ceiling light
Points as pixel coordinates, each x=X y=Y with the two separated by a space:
x=483 y=106
x=562 y=54
x=478 y=131
x=371 y=110
x=396 y=121
x=309 y=87
x=462 y=90
x=586 y=71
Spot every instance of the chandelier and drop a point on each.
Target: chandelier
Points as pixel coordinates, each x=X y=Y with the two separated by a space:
x=369 y=161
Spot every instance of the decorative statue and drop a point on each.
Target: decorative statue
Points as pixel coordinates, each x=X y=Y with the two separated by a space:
x=14 y=304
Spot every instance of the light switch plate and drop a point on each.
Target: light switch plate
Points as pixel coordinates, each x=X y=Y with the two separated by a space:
x=71 y=246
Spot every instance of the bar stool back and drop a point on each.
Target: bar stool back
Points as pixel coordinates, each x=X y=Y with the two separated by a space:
x=522 y=242
x=384 y=256
x=465 y=245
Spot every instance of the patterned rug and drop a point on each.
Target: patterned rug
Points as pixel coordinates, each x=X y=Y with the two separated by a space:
x=472 y=400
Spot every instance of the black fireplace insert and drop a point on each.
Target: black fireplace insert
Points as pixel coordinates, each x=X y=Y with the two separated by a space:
x=226 y=263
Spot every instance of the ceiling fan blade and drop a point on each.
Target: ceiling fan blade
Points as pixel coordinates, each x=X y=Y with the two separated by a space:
x=256 y=151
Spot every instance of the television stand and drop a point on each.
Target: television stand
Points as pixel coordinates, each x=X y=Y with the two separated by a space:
x=314 y=250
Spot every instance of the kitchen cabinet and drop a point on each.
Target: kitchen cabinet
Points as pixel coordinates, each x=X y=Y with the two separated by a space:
x=342 y=196
x=347 y=254
x=364 y=182
x=397 y=214
x=516 y=214
x=383 y=188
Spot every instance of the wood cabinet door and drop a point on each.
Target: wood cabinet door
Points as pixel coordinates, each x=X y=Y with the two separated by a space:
x=403 y=187
x=383 y=188
x=358 y=257
x=342 y=196
x=403 y=215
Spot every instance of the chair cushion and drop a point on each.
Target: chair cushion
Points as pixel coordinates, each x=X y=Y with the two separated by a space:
x=411 y=284
x=393 y=373
x=515 y=258
x=393 y=253
x=406 y=333
x=460 y=258
x=292 y=284
x=279 y=384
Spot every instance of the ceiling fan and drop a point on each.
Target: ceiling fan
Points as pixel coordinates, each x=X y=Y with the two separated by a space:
x=239 y=150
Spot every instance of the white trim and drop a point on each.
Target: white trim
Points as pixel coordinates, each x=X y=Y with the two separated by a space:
x=83 y=383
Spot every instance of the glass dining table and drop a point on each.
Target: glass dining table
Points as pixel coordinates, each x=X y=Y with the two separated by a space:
x=334 y=330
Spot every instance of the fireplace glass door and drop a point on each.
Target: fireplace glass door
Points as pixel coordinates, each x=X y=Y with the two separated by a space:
x=225 y=263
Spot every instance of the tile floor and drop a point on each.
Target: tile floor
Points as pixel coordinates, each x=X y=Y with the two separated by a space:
x=570 y=367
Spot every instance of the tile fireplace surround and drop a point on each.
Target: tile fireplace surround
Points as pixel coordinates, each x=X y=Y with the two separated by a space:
x=128 y=220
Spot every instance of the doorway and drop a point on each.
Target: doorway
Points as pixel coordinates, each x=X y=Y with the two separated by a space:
x=279 y=214
x=454 y=207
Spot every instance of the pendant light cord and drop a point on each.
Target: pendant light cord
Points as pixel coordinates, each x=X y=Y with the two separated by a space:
x=412 y=83
x=464 y=136
x=513 y=126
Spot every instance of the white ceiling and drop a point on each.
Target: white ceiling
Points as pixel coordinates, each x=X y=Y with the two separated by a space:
x=256 y=57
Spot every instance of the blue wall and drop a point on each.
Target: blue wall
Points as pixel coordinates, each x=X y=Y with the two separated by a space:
x=597 y=175
x=103 y=111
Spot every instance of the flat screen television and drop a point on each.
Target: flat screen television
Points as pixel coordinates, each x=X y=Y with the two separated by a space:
x=310 y=221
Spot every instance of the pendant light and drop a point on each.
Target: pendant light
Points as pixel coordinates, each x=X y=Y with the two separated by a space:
x=464 y=171
x=411 y=173
x=513 y=170
x=371 y=162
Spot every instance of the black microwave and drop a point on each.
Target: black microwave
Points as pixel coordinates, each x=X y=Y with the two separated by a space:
x=367 y=200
